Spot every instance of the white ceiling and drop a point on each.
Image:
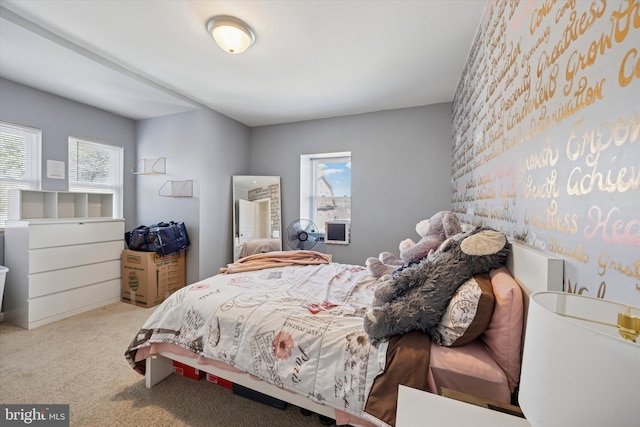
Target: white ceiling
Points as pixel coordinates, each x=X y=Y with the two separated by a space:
x=311 y=59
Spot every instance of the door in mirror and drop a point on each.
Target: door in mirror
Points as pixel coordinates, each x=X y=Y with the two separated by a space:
x=256 y=215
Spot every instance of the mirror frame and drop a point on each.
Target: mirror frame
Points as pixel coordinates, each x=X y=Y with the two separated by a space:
x=243 y=184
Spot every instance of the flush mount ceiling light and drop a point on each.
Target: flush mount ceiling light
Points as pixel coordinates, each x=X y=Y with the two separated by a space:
x=231 y=34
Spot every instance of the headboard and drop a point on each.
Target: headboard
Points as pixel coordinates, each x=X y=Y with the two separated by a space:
x=534 y=270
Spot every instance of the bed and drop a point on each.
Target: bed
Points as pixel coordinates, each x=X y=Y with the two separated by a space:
x=310 y=349
x=257 y=246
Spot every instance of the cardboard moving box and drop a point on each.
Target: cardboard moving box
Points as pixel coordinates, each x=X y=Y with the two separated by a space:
x=148 y=278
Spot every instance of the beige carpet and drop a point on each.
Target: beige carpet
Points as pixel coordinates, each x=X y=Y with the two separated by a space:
x=80 y=361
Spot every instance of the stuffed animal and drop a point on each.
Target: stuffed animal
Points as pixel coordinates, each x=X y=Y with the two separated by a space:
x=385 y=264
x=433 y=232
x=416 y=297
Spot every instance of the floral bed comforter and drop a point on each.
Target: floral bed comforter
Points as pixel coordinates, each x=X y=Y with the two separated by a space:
x=297 y=327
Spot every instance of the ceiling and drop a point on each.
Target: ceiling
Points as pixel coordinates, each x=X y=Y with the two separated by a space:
x=311 y=59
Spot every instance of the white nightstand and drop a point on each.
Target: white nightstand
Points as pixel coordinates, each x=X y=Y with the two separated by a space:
x=418 y=408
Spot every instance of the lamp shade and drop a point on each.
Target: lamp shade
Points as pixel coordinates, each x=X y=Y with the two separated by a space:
x=230 y=33
x=576 y=369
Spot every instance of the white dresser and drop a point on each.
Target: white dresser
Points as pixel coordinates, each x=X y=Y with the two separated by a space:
x=60 y=266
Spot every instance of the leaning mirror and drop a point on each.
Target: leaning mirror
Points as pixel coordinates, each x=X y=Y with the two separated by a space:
x=256 y=215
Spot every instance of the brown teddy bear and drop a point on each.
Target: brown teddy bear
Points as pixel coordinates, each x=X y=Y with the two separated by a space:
x=433 y=232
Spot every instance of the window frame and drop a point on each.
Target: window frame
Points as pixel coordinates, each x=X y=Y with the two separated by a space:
x=117 y=189
x=33 y=164
x=309 y=184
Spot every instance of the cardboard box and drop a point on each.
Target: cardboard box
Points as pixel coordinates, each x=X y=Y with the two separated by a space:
x=258 y=397
x=187 y=371
x=148 y=278
x=220 y=381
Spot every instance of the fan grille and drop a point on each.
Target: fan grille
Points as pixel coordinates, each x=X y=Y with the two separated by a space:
x=302 y=234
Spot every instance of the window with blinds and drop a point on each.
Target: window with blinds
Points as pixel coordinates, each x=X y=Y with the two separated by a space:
x=96 y=168
x=20 y=167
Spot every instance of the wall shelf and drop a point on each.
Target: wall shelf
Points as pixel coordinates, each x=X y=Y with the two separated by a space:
x=180 y=188
x=151 y=166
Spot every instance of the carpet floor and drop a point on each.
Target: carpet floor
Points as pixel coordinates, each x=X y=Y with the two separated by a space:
x=80 y=361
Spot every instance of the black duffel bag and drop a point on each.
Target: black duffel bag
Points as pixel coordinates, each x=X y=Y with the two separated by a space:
x=162 y=238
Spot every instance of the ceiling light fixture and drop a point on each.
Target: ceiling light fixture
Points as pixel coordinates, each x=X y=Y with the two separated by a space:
x=231 y=34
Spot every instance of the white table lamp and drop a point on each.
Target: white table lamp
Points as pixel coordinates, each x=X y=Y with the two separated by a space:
x=577 y=369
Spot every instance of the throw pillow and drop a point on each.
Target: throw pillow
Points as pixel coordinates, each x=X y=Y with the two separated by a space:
x=468 y=313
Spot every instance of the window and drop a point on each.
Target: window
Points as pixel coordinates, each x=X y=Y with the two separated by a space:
x=325 y=187
x=96 y=168
x=20 y=166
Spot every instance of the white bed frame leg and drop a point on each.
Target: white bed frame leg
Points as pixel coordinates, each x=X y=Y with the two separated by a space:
x=157 y=369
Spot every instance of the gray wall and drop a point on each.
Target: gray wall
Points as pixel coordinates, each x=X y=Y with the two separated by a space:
x=206 y=147
x=401 y=170
x=401 y=167
x=223 y=152
x=60 y=118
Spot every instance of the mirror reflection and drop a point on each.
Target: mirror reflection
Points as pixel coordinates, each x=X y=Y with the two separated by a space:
x=256 y=215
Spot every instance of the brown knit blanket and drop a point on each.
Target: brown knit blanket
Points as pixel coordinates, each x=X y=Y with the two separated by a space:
x=408 y=364
x=276 y=259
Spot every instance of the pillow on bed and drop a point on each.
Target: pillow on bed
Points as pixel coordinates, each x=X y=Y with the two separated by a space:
x=503 y=336
x=468 y=313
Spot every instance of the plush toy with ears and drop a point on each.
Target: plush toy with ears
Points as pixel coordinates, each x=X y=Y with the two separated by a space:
x=433 y=232
x=416 y=297
x=385 y=264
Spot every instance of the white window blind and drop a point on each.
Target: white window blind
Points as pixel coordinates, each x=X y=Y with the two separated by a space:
x=20 y=163
x=96 y=168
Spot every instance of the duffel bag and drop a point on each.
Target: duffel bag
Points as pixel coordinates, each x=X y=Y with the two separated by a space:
x=162 y=238
x=139 y=239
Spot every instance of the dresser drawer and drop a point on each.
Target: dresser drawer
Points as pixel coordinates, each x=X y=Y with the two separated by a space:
x=73 y=233
x=53 y=307
x=48 y=259
x=70 y=278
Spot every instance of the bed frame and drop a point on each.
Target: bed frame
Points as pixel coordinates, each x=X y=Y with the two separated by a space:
x=533 y=270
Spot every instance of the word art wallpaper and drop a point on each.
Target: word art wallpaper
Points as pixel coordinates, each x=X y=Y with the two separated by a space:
x=546 y=136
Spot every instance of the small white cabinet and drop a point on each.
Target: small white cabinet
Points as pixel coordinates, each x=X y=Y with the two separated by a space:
x=63 y=255
x=35 y=204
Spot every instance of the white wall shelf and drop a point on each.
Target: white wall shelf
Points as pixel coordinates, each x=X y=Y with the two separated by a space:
x=181 y=188
x=156 y=166
x=38 y=204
